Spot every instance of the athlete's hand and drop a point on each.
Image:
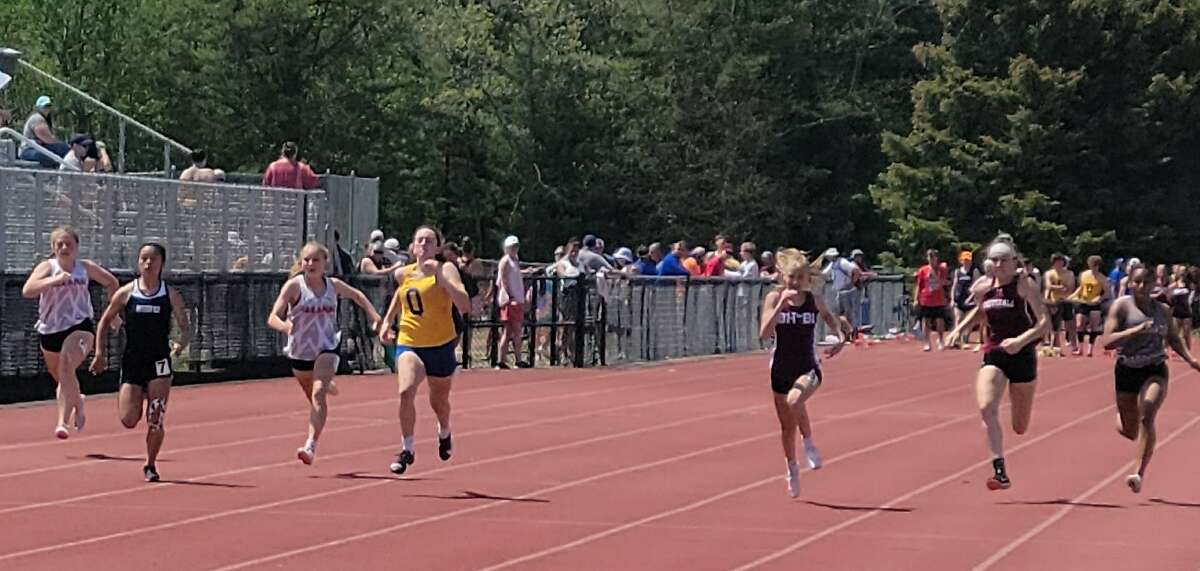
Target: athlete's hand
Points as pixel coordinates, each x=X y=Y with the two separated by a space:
x=787 y=297
x=97 y=365
x=59 y=279
x=833 y=350
x=386 y=334
x=116 y=323
x=1011 y=346
x=432 y=267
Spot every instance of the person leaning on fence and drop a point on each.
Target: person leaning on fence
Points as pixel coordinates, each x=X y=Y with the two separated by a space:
x=288 y=172
x=672 y=263
x=40 y=129
x=591 y=260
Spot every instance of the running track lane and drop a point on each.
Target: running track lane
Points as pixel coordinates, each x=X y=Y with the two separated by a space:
x=651 y=471
x=508 y=446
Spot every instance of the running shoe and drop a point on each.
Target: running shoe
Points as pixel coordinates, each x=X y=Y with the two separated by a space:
x=1134 y=482
x=445 y=448
x=814 y=457
x=793 y=480
x=307 y=453
x=403 y=460
x=150 y=472
x=61 y=432
x=999 y=481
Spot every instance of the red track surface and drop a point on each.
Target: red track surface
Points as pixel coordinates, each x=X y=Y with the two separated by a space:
x=671 y=466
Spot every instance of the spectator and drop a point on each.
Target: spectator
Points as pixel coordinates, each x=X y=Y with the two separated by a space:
x=590 y=260
x=599 y=249
x=394 y=254
x=343 y=262
x=510 y=298
x=375 y=263
x=86 y=155
x=693 y=260
x=1117 y=276
x=287 y=172
x=843 y=274
x=568 y=266
x=671 y=264
x=376 y=236
x=199 y=171
x=624 y=259
x=40 y=129
x=749 y=266
x=930 y=295
x=717 y=265
x=769 y=270
x=645 y=264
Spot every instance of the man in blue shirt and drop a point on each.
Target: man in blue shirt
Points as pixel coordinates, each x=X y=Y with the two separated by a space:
x=1116 y=275
x=646 y=264
x=672 y=264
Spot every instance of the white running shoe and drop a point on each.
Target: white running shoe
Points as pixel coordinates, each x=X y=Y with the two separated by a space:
x=1134 y=482
x=307 y=453
x=814 y=457
x=61 y=432
x=793 y=480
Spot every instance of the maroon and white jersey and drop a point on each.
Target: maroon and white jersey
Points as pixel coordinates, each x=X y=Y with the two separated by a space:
x=314 y=322
x=67 y=304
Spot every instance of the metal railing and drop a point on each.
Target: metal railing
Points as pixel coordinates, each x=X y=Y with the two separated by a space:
x=205 y=227
x=6 y=132
x=122 y=121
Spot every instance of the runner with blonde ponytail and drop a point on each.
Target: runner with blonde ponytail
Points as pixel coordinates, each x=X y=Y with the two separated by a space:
x=790 y=313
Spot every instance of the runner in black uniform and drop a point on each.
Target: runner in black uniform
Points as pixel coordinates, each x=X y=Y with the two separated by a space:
x=1139 y=327
x=147 y=306
x=790 y=315
x=1016 y=319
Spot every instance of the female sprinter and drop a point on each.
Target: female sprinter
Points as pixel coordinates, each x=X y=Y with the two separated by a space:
x=306 y=311
x=65 y=318
x=1016 y=320
x=789 y=315
x=1179 y=298
x=1137 y=327
x=422 y=307
x=1093 y=290
x=148 y=306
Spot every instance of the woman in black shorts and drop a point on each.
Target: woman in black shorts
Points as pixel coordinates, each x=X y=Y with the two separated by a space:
x=790 y=313
x=1179 y=298
x=147 y=306
x=1016 y=319
x=1137 y=327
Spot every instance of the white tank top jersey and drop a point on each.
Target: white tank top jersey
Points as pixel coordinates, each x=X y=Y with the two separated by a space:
x=314 y=323
x=67 y=304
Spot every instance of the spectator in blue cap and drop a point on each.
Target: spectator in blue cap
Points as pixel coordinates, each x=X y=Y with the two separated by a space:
x=40 y=130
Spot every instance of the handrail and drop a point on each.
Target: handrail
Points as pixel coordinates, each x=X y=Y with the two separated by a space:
x=40 y=149
x=108 y=108
x=123 y=119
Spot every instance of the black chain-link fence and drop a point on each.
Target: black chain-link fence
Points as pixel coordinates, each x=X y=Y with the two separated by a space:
x=578 y=322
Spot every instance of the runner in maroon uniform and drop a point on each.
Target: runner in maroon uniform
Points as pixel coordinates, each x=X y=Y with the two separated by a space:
x=790 y=314
x=1016 y=319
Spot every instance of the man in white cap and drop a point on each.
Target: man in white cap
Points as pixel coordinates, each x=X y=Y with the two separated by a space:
x=510 y=298
x=39 y=129
x=844 y=276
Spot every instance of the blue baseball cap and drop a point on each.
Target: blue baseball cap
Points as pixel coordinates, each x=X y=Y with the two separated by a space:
x=43 y=101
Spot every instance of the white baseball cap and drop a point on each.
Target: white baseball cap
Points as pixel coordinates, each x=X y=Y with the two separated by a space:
x=376 y=236
x=391 y=244
x=511 y=241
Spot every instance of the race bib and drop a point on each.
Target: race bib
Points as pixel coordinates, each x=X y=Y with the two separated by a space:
x=162 y=367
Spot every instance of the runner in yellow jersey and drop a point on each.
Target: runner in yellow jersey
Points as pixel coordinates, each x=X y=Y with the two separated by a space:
x=1092 y=291
x=422 y=309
